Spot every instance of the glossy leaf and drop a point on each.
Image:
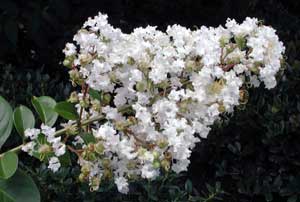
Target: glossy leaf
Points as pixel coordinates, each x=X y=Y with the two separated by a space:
x=23 y=119
x=67 y=110
x=19 y=188
x=44 y=106
x=8 y=165
x=6 y=121
x=95 y=94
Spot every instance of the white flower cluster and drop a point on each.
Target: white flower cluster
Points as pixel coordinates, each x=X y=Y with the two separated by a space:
x=45 y=145
x=160 y=91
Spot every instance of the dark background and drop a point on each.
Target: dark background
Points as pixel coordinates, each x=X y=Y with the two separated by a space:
x=255 y=156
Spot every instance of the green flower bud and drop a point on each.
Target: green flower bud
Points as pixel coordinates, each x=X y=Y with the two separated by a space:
x=99 y=148
x=67 y=63
x=91 y=147
x=106 y=98
x=106 y=163
x=165 y=164
x=162 y=143
x=81 y=177
x=155 y=154
x=92 y=156
x=156 y=164
x=96 y=105
x=85 y=169
x=140 y=86
x=107 y=174
x=131 y=165
x=130 y=61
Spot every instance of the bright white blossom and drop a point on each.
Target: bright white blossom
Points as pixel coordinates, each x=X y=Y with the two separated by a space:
x=160 y=92
x=54 y=164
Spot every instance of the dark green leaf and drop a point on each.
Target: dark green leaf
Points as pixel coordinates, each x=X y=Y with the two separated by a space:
x=20 y=188
x=8 y=165
x=23 y=119
x=6 y=121
x=66 y=110
x=44 y=106
x=95 y=94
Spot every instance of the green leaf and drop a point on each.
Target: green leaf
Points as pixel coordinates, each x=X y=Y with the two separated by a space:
x=188 y=186
x=67 y=110
x=6 y=121
x=8 y=165
x=23 y=119
x=44 y=106
x=88 y=138
x=95 y=94
x=65 y=159
x=19 y=188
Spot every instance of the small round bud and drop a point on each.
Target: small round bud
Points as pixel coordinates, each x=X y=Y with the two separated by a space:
x=99 y=148
x=165 y=164
x=106 y=163
x=91 y=147
x=67 y=63
x=155 y=154
x=106 y=98
x=81 y=177
x=140 y=86
x=156 y=164
x=162 y=143
x=85 y=169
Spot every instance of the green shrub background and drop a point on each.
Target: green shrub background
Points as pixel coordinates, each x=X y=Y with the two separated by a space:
x=253 y=155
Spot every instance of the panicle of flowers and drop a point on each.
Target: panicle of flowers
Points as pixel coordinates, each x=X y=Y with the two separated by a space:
x=159 y=92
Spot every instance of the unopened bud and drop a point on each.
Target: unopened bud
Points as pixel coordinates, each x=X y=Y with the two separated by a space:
x=165 y=164
x=99 y=148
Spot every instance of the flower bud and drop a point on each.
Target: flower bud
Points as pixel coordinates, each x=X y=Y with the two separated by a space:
x=106 y=163
x=73 y=97
x=140 y=86
x=107 y=174
x=85 y=169
x=156 y=164
x=106 y=98
x=67 y=63
x=99 y=148
x=165 y=164
x=91 y=147
x=96 y=106
x=162 y=143
x=81 y=177
x=130 y=61
x=155 y=154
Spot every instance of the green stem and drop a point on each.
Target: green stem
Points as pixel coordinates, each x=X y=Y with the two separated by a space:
x=57 y=133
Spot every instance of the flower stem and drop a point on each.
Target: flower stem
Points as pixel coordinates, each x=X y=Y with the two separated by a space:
x=57 y=133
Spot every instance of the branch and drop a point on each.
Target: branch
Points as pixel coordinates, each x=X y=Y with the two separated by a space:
x=57 y=133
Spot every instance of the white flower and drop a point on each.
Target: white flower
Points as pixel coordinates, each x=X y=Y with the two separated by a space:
x=54 y=164
x=106 y=130
x=32 y=133
x=122 y=184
